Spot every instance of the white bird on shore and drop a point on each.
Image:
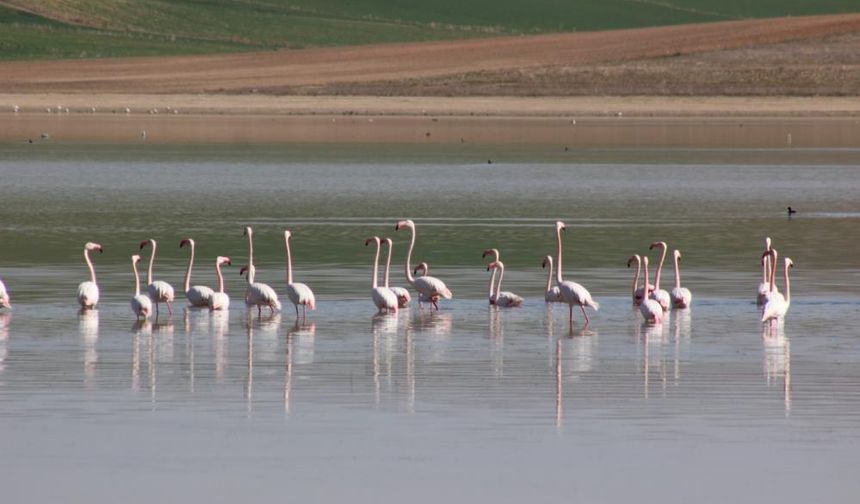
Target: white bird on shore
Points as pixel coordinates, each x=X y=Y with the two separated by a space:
x=88 y=292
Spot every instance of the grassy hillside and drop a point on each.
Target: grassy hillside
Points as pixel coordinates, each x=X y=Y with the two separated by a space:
x=31 y=29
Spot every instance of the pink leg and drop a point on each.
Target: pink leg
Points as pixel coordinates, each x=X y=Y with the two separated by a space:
x=169 y=309
x=584 y=314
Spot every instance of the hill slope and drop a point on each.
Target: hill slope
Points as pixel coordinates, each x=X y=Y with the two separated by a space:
x=38 y=29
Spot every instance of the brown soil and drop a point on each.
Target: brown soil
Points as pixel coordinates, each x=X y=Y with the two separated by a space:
x=609 y=62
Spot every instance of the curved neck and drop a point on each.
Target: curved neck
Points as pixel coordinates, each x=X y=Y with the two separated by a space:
x=677 y=274
x=558 y=279
x=373 y=282
x=636 y=276
x=499 y=285
x=136 y=279
x=409 y=277
x=388 y=262
x=765 y=269
x=250 y=275
x=645 y=277
x=190 y=265
x=492 y=285
x=659 y=269
x=250 y=249
x=549 y=274
x=151 y=262
x=220 y=276
x=787 y=285
x=772 y=271
x=289 y=262
x=90 y=265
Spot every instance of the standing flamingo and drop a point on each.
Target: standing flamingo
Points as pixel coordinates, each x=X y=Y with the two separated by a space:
x=424 y=269
x=638 y=292
x=159 y=290
x=551 y=294
x=219 y=300
x=141 y=305
x=4 y=296
x=571 y=292
x=88 y=292
x=259 y=294
x=432 y=289
x=403 y=297
x=658 y=294
x=199 y=295
x=299 y=293
x=650 y=309
x=383 y=297
x=495 y=254
x=764 y=286
x=769 y=257
x=681 y=296
x=776 y=305
x=504 y=299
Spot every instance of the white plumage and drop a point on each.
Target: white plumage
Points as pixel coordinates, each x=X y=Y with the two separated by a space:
x=383 y=297
x=403 y=297
x=776 y=305
x=259 y=294
x=159 y=291
x=219 y=299
x=88 y=292
x=4 y=296
x=650 y=309
x=571 y=292
x=504 y=299
x=681 y=296
x=432 y=289
x=299 y=293
x=141 y=305
x=198 y=296
x=552 y=294
x=764 y=286
x=638 y=293
x=657 y=294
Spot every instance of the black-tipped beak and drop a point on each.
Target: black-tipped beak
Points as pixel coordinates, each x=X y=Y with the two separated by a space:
x=101 y=250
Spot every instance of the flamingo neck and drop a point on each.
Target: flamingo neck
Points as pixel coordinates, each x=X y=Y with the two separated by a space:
x=765 y=268
x=289 y=263
x=645 y=277
x=151 y=262
x=136 y=279
x=250 y=249
x=409 y=277
x=220 y=277
x=773 y=256
x=188 y=271
x=636 y=276
x=558 y=279
x=787 y=285
x=659 y=269
x=492 y=285
x=373 y=281
x=90 y=265
x=677 y=274
x=388 y=263
x=251 y=274
x=549 y=275
x=499 y=285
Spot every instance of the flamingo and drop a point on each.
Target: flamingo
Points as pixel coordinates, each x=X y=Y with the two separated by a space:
x=220 y=300
x=552 y=294
x=572 y=293
x=199 y=295
x=383 y=297
x=650 y=309
x=681 y=296
x=4 y=296
x=299 y=293
x=638 y=292
x=431 y=288
x=504 y=299
x=88 y=292
x=495 y=254
x=776 y=306
x=257 y=294
x=658 y=294
x=769 y=258
x=159 y=290
x=764 y=286
x=424 y=268
x=403 y=297
x=141 y=305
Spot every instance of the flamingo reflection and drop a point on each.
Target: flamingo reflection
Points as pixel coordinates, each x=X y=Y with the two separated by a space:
x=88 y=330
x=777 y=360
x=5 y=320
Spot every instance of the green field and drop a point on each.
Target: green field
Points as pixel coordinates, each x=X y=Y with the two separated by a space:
x=103 y=28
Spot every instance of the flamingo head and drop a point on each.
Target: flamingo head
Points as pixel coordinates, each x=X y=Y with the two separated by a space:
x=495 y=264
x=767 y=243
x=242 y=270
x=634 y=257
x=559 y=226
x=423 y=267
x=789 y=263
x=187 y=241
x=660 y=244
x=287 y=234
x=493 y=252
x=135 y=259
x=146 y=242
x=768 y=253
x=547 y=261
x=371 y=239
x=248 y=231
x=223 y=261
x=94 y=246
x=388 y=241
x=677 y=254
x=645 y=261
x=405 y=223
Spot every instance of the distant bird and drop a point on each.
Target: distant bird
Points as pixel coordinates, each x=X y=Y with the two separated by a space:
x=650 y=309
x=159 y=290
x=572 y=293
x=431 y=288
x=681 y=296
x=219 y=299
x=638 y=293
x=299 y=293
x=15 y=109
x=776 y=307
x=4 y=296
x=658 y=294
x=384 y=299
x=141 y=305
x=88 y=292
x=502 y=299
x=551 y=293
x=198 y=296
x=403 y=297
x=791 y=211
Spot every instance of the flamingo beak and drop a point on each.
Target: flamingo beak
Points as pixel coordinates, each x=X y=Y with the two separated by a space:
x=228 y=262
x=183 y=243
x=101 y=249
x=143 y=244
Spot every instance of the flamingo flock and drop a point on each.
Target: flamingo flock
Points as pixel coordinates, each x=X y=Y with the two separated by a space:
x=652 y=302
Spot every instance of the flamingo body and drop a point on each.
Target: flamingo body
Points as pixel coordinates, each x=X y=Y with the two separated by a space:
x=219 y=301
x=260 y=295
x=662 y=298
x=141 y=305
x=403 y=297
x=384 y=299
x=4 y=296
x=301 y=295
x=575 y=294
x=198 y=296
x=503 y=299
x=681 y=297
x=429 y=287
x=88 y=294
x=651 y=311
x=158 y=290
x=553 y=295
x=776 y=305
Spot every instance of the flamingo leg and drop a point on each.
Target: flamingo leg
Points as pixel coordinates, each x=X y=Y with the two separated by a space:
x=297 y=311
x=584 y=314
x=169 y=309
x=571 y=312
x=259 y=311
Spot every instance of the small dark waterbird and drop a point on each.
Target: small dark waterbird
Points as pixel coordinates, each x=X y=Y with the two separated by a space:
x=791 y=211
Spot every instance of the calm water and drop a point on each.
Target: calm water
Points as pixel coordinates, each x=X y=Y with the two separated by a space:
x=468 y=403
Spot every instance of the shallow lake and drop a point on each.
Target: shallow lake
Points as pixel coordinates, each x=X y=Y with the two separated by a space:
x=470 y=402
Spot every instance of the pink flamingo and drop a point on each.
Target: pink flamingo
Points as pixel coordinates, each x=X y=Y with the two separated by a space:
x=431 y=288
x=257 y=294
x=403 y=297
x=769 y=257
x=638 y=293
x=650 y=309
x=141 y=305
x=88 y=292
x=4 y=296
x=299 y=293
x=764 y=286
x=776 y=306
x=159 y=290
x=658 y=294
x=681 y=296
x=504 y=299
x=495 y=253
x=383 y=297
x=551 y=293
x=219 y=300
x=571 y=292
x=198 y=296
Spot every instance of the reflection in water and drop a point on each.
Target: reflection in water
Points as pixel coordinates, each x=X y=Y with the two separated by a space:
x=300 y=350
x=88 y=330
x=382 y=325
x=777 y=359
x=164 y=333
x=220 y=322
x=5 y=320
x=681 y=329
x=497 y=341
x=288 y=371
x=653 y=338
x=196 y=321
x=559 y=392
x=139 y=328
x=437 y=329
